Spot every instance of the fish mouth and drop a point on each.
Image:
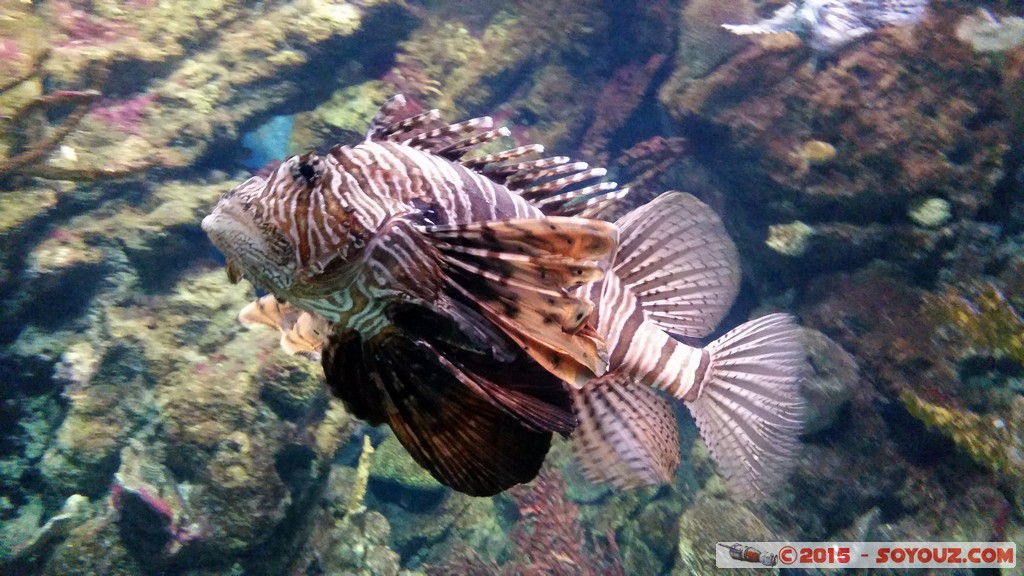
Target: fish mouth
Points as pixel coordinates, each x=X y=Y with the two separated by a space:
x=225 y=231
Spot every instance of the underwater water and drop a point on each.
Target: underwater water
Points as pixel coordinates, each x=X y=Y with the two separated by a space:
x=833 y=312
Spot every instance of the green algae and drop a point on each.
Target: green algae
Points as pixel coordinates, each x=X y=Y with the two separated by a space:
x=392 y=464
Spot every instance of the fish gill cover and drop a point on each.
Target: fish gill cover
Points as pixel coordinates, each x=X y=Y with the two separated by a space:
x=870 y=189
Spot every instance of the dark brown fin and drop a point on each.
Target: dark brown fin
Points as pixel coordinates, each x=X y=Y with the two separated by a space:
x=627 y=434
x=480 y=356
x=456 y=433
x=678 y=259
x=519 y=274
x=302 y=333
x=557 y=186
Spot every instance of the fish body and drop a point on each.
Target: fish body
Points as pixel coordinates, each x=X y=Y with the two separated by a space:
x=828 y=25
x=470 y=302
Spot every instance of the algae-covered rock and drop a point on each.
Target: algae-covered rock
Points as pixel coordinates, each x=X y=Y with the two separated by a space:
x=703 y=43
x=291 y=385
x=93 y=548
x=342 y=118
x=994 y=441
x=106 y=408
x=193 y=73
x=711 y=520
x=392 y=465
x=361 y=546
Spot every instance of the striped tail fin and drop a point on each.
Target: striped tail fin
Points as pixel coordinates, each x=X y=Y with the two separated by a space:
x=677 y=271
x=748 y=406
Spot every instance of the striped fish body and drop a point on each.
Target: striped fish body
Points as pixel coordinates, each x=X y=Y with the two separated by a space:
x=325 y=213
x=439 y=301
x=454 y=297
x=831 y=24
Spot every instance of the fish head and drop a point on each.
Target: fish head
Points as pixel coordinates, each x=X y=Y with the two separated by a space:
x=243 y=227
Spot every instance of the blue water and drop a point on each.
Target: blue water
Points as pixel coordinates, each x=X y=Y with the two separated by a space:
x=268 y=141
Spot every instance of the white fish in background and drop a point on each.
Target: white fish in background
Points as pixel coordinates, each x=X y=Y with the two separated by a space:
x=828 y=25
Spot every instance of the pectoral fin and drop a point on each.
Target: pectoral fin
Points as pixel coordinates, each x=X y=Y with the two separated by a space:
x=302 y=333
x=470 y=432
x=519 y=273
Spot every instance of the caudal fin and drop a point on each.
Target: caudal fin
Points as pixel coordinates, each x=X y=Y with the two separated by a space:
x=749 y=409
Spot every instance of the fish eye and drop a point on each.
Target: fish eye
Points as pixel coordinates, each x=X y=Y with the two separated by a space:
x=307 y=170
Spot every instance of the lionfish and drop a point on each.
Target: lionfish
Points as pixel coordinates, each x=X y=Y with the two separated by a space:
x=831 y=24
x=473 y=302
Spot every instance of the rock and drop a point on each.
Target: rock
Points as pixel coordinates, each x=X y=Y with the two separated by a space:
x=393 y=466
x=84 y=454
x=95 y=547
x=154 y=517
x=711 y=520
x=830 y=388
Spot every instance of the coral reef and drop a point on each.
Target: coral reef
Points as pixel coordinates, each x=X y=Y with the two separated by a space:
x=547 y=538
x=204 y=70
x=992 y=441
x=711 y=520
x=394 y=466
x=907 y=116
x=831 y=388
x=874 y=192
x=987 y=321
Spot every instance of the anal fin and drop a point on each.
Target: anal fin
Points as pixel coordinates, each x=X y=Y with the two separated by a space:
x=627 y=434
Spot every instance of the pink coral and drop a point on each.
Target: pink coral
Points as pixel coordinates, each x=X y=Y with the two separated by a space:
x=549 y=538
x=84 y=28
x=618 y=100
x=125 y=114
x=9 y=50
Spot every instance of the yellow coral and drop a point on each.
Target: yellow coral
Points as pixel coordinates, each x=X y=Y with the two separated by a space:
x=355 y=498
x=990 y=442
x=818 y=152
x=988 y=321
x=789 y=239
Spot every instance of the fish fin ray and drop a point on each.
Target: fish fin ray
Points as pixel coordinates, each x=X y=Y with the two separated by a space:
x=500 y=268
x=627 y=434
x=457 y=434
x=676 y=256
x=749 y=409
x=302 y=332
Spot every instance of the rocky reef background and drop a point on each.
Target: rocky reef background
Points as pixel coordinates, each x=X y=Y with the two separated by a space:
x=877 y=193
